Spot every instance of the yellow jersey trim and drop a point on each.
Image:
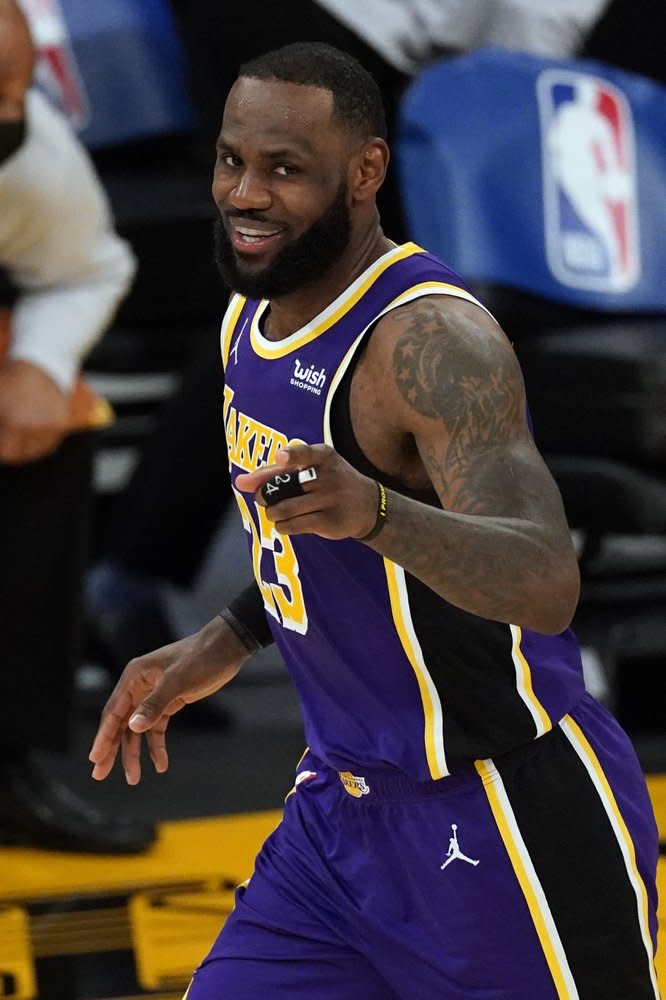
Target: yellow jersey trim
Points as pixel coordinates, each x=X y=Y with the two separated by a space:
x=434 y=288
x=528 y=880
x=541 y=718
x=433 y=734
x=335 y=382
x=414 y=292
x=590 y=761
x=271 y=349
x=229 y=321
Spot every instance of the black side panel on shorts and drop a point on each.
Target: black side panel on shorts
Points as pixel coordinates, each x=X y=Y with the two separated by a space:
x=580 y=866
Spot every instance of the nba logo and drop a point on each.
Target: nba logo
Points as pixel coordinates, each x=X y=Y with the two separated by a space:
x=56 y=71
x=589 y=175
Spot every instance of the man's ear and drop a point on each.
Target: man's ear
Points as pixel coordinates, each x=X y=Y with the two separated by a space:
x=368 y=170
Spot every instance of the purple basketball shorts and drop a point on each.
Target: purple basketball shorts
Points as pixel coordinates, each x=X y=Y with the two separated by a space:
x=527 y=877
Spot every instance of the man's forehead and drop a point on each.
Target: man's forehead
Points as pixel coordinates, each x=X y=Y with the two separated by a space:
x=278 y=110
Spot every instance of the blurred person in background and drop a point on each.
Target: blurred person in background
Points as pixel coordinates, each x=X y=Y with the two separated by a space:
x=159 y=538
x=66 y=270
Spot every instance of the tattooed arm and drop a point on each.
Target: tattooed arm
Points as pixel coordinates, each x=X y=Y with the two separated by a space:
x=501 y=546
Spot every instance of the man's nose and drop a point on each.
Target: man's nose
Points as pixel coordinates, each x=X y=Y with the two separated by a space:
x=250 y=193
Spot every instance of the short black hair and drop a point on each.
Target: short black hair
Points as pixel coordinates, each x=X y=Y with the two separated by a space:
x=357 y=100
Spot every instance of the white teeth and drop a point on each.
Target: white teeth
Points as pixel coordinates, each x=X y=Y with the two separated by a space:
x=255 y=233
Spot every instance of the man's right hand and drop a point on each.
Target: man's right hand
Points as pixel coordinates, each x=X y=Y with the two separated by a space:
x=154 y=687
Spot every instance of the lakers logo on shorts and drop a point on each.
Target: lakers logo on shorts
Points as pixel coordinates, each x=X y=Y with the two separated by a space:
x=353 y=785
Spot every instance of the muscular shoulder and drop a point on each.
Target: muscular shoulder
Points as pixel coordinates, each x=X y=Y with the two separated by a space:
x=446 y=359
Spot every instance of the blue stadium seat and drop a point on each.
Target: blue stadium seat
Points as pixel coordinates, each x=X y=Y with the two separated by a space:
x=117 y=67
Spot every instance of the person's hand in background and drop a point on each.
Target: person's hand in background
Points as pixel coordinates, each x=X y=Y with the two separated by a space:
x=33 y=413
x=17 y=56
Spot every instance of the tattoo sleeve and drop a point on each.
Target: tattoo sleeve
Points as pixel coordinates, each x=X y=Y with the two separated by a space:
x=501 y=548
x=475 y=394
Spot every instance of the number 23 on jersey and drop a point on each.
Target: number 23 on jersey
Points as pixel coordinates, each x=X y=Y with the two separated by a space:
x=283 y=599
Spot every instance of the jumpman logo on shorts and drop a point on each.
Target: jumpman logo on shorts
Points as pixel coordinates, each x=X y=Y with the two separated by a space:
x=454 y=853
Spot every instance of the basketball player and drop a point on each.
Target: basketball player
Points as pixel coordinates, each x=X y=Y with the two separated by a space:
x=414 y=566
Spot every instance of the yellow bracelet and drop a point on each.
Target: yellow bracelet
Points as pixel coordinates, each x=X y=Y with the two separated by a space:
x=382 y=511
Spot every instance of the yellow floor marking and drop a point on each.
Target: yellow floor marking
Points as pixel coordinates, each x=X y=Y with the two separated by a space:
x=187 y=851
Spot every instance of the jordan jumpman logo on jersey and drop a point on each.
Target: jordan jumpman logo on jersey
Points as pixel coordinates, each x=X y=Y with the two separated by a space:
x=234 y=349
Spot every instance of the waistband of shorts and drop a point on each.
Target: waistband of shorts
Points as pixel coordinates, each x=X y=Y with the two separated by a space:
x=369 y=784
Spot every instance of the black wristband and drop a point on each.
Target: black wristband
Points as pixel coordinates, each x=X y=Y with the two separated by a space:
x=382 y=511
x=247 y=617
x=244 y=634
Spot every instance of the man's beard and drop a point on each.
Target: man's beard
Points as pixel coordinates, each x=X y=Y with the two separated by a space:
x=297 y=264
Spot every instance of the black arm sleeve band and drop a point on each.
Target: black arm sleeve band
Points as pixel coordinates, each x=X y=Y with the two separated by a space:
x=247 y=617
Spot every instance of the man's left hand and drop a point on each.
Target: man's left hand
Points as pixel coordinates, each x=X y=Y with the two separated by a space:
x=339 y=503
x=33 y=413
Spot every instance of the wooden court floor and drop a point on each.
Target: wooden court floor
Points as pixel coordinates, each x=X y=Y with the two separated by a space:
x=152 y=916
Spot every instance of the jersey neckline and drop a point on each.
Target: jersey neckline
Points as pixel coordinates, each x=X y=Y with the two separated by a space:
x=273 y=349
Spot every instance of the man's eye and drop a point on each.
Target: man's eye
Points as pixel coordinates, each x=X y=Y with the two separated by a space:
x=229 y=159
x=286 y=170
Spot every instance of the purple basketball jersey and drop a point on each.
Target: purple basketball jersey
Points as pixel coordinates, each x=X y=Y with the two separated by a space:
x=388 y=673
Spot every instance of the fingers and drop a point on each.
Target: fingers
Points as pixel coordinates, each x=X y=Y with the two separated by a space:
x=131 y=751
x=27 y=446
x=107 y=741
x=105 y=752
x=338 y=503
x=305 y=524
x=139 y=698
x=156 y=738
x=165 y=699
x=105 y=758
x=300 y=455
x=296 y=507
x=250 y=482
x=131 y=756
x=295 y=456
x=308 y=513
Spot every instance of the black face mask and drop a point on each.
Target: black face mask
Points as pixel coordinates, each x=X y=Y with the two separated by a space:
x=12 y=135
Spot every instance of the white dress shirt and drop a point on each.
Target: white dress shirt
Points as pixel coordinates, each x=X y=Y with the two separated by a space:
x=58 y=244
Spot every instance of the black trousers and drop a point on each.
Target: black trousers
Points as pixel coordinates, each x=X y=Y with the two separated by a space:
x=164 y=523
x=45 y=509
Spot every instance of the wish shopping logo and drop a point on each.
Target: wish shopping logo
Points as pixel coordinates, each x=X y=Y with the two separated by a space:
x=589 y=178
x=309 y=378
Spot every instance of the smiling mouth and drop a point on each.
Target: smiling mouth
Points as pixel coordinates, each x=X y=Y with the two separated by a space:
x=250 y=236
